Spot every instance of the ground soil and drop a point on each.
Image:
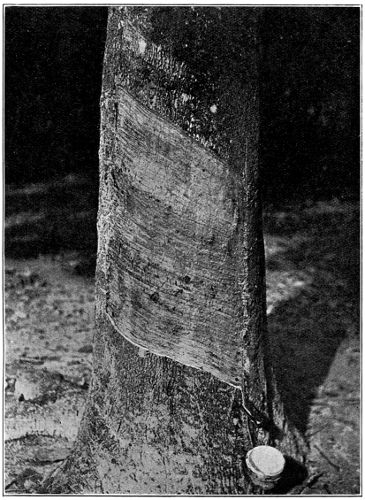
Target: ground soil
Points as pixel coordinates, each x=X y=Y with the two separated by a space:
x=312 y=254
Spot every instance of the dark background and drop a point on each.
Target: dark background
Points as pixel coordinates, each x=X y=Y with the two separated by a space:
x=53 y=65
x=309 y=121
x=309 y=96
x=311 y=176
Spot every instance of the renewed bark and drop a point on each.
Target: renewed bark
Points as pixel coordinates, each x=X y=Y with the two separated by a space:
x=180 y=349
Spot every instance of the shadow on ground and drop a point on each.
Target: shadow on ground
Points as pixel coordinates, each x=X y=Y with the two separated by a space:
x=54 y=218
x=312 y=262
x=312 y=257
x=313 y=277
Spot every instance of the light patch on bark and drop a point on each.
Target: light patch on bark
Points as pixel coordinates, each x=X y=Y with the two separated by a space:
x=174 y=289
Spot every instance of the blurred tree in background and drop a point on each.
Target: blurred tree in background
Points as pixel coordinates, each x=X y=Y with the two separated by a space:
x=309 y=97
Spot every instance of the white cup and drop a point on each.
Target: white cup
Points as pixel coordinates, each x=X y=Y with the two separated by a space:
x=265 y=465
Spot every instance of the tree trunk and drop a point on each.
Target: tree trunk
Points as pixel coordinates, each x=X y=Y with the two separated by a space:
x=182 y=384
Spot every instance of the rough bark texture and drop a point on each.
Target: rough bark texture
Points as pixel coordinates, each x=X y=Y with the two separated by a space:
x=170 y=250
x=180 y=348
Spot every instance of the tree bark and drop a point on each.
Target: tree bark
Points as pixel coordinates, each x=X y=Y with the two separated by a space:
x=182 y=383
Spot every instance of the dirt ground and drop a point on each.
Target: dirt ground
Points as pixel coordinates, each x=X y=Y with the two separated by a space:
x=312 y=253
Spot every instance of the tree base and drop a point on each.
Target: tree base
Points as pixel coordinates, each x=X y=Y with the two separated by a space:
x=154 y=426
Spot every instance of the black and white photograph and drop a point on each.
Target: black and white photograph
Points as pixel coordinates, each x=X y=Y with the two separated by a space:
x=182 y=249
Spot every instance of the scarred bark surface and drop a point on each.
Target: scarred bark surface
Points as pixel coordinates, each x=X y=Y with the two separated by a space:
x=180 y=349
x=170 y=254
